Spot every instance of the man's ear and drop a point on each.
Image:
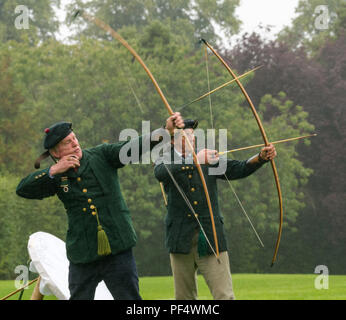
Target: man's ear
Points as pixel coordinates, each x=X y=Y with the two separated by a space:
x=55 y=152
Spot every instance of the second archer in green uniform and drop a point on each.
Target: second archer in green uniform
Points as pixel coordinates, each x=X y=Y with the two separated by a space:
x=189 y=235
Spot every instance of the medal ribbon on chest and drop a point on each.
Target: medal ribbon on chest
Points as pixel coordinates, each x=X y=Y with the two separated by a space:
x=64 y=184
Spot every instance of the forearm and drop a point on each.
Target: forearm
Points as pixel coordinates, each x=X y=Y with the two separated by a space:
x=256 y=161
x=132 y=151
x=241 y=169
x=37 y=185
x=157 y=138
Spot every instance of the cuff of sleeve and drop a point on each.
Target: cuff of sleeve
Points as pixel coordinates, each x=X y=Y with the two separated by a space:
x=260 y=160
x=255 y=162
x=42 y=174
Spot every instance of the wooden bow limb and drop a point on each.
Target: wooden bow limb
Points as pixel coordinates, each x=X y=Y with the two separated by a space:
x=262 y=145
x=20 y=289
x=163 y=194
x=116 y=36
x=265 y=139
x=36 y=294
x=188 y=203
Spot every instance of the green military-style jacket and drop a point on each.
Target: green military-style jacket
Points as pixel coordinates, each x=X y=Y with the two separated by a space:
x=95 y=184
x=180 y=223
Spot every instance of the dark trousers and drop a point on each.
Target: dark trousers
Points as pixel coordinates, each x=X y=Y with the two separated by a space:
x=117 y=271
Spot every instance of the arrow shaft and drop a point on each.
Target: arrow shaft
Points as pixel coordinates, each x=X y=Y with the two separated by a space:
x=20 y=289
x=219 y=87
x=262 y=144
x=116 y=36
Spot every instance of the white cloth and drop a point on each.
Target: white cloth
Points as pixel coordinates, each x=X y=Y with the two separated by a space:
x=49 y=260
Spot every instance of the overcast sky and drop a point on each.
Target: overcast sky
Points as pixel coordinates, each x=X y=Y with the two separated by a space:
x=276 y=13
x=267 y=12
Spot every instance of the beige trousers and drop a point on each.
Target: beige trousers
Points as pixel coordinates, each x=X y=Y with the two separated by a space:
x=217 y=275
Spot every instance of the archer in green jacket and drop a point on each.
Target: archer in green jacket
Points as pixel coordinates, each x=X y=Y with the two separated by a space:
x=100 y=233
x=189 y=234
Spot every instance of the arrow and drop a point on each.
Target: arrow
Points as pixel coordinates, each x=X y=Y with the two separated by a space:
x=218 y=88
x=262 y=145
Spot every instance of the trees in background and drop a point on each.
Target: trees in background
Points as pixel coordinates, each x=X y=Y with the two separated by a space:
x=43 y=22
x=95 y=84
x=189 y=19
x=312 y=76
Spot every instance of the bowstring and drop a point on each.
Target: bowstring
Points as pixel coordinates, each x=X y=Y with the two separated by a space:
x=229 y=182
x=182 y=193
x=130 y=78
x=188 y=203
x=244 y=211
x=208 y=80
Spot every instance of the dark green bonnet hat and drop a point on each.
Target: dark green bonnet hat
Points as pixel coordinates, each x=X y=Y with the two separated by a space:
x=54 y=134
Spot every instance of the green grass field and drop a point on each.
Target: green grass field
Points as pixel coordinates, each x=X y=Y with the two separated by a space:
x=246 y=287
